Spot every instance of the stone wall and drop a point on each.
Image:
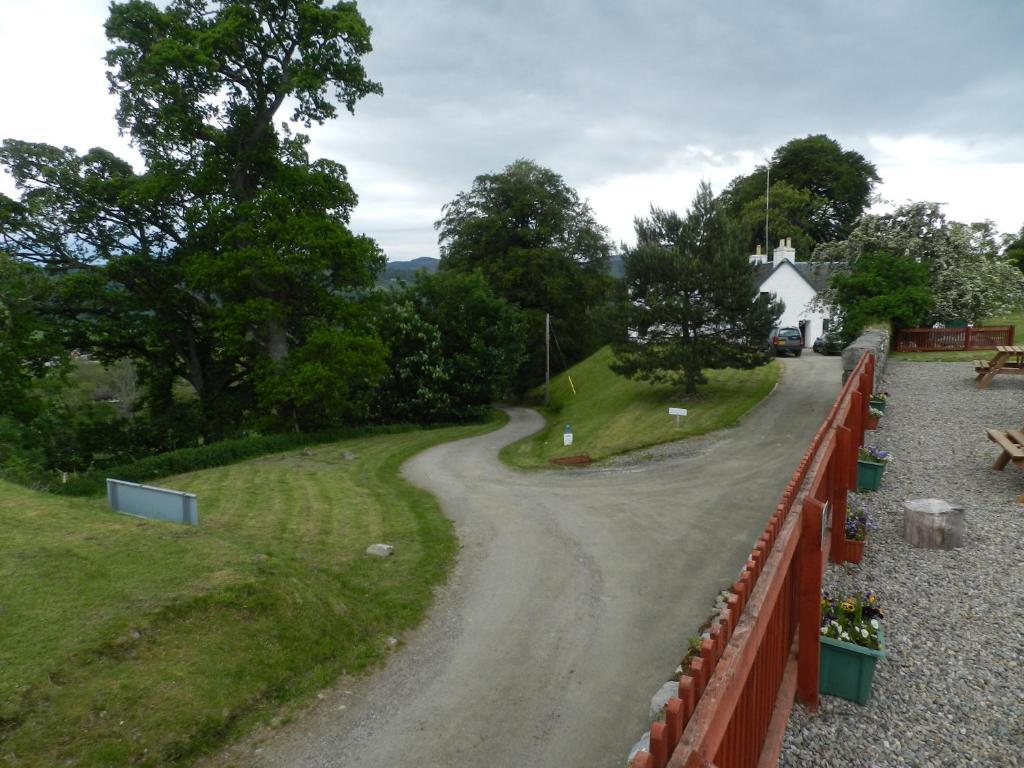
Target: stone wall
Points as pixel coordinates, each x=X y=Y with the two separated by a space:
x=874 y=340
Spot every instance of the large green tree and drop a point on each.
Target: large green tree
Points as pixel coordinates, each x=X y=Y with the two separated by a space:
x=882 y=286
x=39 y=426
x=818 y=191
x=538 y=245
x=30 y=342
x=1013 y=249
x=230 y=251
x=693 y=301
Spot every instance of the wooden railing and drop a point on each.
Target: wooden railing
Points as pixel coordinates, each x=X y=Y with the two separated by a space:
x=734 y=701
x=952 y=339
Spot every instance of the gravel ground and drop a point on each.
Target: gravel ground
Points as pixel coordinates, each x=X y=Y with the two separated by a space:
x=951 y=690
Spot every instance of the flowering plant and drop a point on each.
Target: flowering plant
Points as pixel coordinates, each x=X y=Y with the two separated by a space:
x=870 y=453
x=852 y=619
x=858 y=523
x=879 y=396
x=874 y=412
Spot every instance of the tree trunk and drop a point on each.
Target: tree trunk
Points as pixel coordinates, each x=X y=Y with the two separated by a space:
x=277 y=341
x=195 y=364
x=933 y=524
x=691 y=382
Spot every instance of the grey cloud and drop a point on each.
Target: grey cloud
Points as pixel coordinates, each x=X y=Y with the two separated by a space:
x=597 y=89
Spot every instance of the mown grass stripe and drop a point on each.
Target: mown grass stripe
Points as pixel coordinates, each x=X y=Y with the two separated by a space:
x=137 y=642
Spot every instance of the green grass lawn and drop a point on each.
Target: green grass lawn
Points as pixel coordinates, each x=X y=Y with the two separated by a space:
x=133 y=642
x=610 y=414
x=1015 y=319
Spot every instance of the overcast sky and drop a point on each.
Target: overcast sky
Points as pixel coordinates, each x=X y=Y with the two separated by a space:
x=633 y=102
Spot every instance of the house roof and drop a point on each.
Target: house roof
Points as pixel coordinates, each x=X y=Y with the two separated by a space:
x=815 y=273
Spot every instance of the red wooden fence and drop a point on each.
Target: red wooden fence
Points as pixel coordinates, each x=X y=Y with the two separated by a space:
x=734 y=701
x=952 y=339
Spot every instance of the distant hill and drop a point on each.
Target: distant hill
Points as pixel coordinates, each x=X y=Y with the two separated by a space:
x=404 y=270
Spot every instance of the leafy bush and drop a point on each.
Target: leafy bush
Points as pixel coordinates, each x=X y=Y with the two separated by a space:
x=328 y=381
x=882 y=285
x=454 y=348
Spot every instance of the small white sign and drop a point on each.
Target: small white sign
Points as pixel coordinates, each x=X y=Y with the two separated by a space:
x=567 y=438
x=676 y=411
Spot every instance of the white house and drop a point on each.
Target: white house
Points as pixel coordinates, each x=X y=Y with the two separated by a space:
x=797 y=283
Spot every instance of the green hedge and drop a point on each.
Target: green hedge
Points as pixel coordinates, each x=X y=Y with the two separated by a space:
x=203 y=457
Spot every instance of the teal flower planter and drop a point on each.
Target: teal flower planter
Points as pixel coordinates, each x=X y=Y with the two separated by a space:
x=869 y=474
x=879 y=404
x=847 y=670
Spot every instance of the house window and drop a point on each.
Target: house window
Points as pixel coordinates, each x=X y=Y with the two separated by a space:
x=826 y=324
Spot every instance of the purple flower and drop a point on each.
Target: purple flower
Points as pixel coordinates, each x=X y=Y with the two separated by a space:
x=858 y=523
x=870 y=453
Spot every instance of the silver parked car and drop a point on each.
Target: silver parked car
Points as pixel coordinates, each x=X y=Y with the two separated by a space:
x=786 y=341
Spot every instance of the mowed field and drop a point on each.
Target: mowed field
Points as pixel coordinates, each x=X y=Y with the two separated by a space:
x=133 y=642
x=610 y=414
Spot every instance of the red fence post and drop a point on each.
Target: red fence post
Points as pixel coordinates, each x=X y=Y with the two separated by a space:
x=844 y=479
x=857 y=416
x=809 y=604
x=674 y=722
x=659 y=745
x=688 y=695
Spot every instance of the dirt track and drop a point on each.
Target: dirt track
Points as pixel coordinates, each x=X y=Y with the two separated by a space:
x=572 y=599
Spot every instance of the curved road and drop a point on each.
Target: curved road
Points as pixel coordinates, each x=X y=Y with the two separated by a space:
x=572 y=599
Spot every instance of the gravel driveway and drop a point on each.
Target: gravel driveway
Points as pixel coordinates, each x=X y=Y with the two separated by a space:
x=951 y=691
x=572 y=598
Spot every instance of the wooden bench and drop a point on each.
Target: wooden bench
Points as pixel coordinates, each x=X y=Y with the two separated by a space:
x=1012 y=443
x=1008 y=359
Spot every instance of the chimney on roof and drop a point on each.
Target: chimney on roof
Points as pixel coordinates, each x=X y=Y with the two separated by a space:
x=757 y=257
x=785 y=251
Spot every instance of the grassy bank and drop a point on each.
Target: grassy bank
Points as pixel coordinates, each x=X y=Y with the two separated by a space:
x=132 y=642
x=610 y=414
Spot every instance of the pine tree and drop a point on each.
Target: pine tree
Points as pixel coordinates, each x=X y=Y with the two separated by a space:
x=693 y=302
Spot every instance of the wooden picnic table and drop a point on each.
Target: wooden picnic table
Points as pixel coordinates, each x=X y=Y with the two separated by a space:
x=1008 y=359
x=1012 y=443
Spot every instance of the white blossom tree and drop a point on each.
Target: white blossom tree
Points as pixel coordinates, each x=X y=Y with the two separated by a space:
x=971 y=278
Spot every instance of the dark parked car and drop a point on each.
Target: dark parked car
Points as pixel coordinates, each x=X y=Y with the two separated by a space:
x=829 y=344
x=786 y=340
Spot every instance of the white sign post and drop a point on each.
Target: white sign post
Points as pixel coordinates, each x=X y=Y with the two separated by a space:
x=677 y=412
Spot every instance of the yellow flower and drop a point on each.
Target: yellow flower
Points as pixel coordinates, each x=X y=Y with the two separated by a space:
x=847 y=606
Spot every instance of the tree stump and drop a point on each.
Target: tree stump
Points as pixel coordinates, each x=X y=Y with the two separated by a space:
x=933 y=524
